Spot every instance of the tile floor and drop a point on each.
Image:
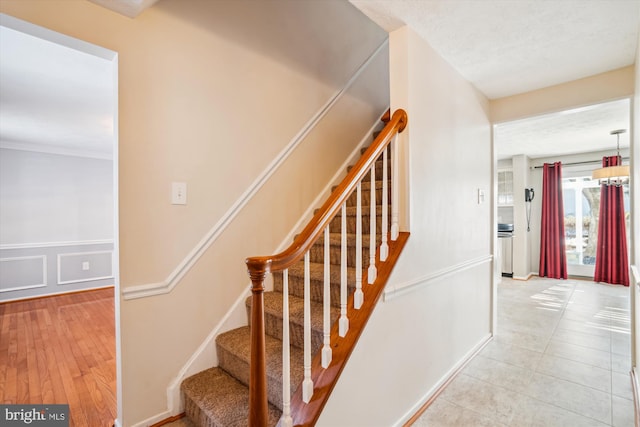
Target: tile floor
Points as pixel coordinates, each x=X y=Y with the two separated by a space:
x=561 y=357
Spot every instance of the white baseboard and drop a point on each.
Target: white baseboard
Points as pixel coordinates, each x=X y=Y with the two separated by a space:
x=419 y=406
x=206 y=355
x=153 y=420
x=636 y=398
x=525 y=278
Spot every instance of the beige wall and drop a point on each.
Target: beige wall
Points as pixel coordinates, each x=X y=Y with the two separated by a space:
x=590 y=90
x=211 y=102
x=427 y=323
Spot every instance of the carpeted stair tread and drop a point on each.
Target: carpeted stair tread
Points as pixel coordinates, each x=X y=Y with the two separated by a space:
x=365 y=186
x=316 y=272
x=213 y=398
x=273 y=319
x=335 y=239
x=365 y=193
x=379 y=165
x=316 y=253
x=336 y=223
x=219 y=397
x=352 y=211
x=234 y=354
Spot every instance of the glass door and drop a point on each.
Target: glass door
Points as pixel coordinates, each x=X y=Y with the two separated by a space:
x=581 y=198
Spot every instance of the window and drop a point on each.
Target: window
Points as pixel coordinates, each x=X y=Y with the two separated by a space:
x=505 y=188
x=581 y=198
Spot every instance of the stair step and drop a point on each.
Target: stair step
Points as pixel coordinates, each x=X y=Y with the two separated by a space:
x=234 y=355
x=336 y=223
x=379 y=163
x=316 y=253
x=366 y=194
x=374 y=135
x=214 y=398
x=219 y=397
x=273 y=319
x=316 y=275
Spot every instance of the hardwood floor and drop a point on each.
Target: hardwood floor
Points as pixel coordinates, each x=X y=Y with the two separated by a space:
x=61 y=349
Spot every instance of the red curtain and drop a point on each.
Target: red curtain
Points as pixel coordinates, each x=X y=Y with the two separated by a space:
x=612 y=265
x=553 y=258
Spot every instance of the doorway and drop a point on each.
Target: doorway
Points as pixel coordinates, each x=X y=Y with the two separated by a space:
x=54 y=116
x=581 y=198
x=523 y=146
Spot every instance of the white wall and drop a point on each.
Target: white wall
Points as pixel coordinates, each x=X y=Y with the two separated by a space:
x=521 y=245
x=56 y=224
x=634 y=260
x=437 y=304
x=49 y=198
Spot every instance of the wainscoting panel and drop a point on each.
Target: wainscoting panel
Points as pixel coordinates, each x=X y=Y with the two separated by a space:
x=25 y=272
x=84 y=267
x=33 y=270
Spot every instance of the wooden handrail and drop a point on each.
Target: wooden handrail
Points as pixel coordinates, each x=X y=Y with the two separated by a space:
x=258 y=267
x=308 y=236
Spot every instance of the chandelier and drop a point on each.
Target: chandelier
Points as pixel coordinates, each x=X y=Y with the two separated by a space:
x=613 y=175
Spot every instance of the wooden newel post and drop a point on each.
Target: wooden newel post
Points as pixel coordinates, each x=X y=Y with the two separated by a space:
x=258 y=406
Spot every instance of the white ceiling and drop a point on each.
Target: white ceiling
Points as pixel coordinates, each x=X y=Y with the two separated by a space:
x=506 y=47
x=503 y=47
x=580 y=130
x=54 y=98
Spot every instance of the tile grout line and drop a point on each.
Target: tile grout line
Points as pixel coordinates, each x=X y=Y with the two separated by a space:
x=564 y=296
x=555 y=328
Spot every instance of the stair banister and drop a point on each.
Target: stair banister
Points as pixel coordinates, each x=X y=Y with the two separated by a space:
x=258 y=267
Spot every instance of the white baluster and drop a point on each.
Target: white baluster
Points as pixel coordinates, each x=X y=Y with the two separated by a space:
x=326 y=301
x=395 y=228
x=286 y=420
x=372 y=273
x=307 y=383
x=343 y=323
x=384 y=246
x=358 y=296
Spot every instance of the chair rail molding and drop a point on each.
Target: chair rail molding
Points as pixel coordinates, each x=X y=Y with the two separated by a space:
x=167 y=285
x=55 y=244
x=206 y=352
x=419 y=282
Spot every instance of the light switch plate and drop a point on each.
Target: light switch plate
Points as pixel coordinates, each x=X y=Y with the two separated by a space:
x=178 y=193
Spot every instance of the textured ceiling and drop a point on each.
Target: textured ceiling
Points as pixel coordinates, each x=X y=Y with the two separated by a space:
x=580 y=130
x=505 y=47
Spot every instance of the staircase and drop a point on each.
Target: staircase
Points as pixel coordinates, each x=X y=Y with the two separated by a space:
x=219 y=396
